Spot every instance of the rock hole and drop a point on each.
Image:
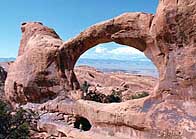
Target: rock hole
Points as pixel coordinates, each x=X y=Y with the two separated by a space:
x=82 y=123
x=91 y=75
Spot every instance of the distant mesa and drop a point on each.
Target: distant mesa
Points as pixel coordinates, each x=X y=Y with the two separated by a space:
x=7 y=59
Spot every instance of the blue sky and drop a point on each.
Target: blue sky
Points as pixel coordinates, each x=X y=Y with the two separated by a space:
x=68 y=18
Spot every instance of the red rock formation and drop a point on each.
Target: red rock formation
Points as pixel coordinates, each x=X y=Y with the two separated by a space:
x=130 y=29
x=34 y=76
x=167 y=39
x=45 y=66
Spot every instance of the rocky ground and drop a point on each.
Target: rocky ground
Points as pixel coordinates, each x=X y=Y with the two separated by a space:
x=66 y=118
x=57 y=118
x=107 y=83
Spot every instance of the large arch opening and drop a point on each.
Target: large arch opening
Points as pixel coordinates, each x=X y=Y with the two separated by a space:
x=132 y=60
x=112 y=72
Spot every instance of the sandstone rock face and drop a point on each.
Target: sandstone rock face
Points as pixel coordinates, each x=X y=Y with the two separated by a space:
x=34 y=76
x=45 y=67
x=173 y=32
x=5 y=65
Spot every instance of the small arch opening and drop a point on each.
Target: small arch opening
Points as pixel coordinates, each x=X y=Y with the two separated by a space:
x=82 y=123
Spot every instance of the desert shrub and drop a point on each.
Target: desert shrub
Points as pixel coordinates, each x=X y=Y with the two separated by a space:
x=102 y=98
x=140 y=95
x=14 y=124
x=93 y=96
x=116 y=96
x=85 y=87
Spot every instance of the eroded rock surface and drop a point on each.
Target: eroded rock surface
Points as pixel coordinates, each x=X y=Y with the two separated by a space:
x=34 y=76
x=45 y=68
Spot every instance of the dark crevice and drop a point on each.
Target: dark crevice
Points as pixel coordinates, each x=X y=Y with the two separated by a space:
x=161 y=54
x=150 y=23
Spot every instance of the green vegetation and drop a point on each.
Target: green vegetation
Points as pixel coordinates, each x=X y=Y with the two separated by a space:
x=85 y=87
x=140 y=95
x=102 y=98
x=14 y=124
x=116 y=96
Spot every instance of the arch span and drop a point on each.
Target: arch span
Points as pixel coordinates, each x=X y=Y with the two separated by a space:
x=131 y=29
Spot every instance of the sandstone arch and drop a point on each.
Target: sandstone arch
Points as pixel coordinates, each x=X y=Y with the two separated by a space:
x=45 y=66
x=131 y=29
x=163 y=37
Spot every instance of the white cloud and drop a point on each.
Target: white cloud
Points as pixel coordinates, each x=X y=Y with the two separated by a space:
x=100 y=49
x=125 y=51
x=121 y=50
x=111 y=51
